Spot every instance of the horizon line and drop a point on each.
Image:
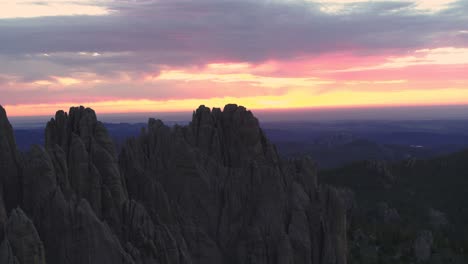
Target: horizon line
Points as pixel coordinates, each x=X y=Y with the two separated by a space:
x=253 y=109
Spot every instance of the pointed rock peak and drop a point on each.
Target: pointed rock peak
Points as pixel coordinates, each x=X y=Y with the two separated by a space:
x=202 y=108
x=155 y=123
x=9 y=163
x=56 y=130
x=79 y=113
x=76 y=117
x=60 y=115
x=230 y=108
x=79 y=120
x=232 y=135
x=202 y=115
x=2 y=112
x=4 y=123
x=240 y=116
x=82 y=120
x=230 y=113
x=18 y=216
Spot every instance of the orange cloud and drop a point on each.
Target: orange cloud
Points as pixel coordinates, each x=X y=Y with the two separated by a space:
x=429 y=76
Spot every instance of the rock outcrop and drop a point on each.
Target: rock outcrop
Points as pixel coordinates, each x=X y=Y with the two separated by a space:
x=10 y=166
x=23 y=238
x=236 y=200
x=91 y=159
x=215 y=191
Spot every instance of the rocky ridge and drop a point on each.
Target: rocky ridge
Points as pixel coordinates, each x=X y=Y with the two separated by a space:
x=214 y=191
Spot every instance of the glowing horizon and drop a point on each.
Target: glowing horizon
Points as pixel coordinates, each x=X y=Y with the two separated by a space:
x=147 y=106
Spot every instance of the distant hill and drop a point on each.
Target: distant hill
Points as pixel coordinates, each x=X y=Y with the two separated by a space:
x=336 y=143
x=330 y=144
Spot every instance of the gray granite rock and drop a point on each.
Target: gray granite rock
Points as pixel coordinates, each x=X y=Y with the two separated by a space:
x=236 y=200
x=6 y=253
x=10 y=164
x=24 y=239
x=214 y=191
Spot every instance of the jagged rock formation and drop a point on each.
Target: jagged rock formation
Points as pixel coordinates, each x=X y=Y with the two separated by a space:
x=23 y=238
x=9 y=166
x=93 y=171
x=235 y=200
x=214 y=191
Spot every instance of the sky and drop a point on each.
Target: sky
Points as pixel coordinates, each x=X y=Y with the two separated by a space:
x=173 y=55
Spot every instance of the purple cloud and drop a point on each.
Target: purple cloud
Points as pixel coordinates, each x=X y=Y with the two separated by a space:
x=140 y=37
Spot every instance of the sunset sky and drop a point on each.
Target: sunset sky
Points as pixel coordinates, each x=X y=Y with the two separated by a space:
x=173 y=55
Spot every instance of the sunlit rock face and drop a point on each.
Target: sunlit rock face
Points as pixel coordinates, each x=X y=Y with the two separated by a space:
x=214 y=191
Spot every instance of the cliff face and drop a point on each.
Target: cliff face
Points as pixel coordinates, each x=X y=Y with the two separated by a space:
x=9 y=166
x=234 y=200
x=91 y=171
x=214 y=191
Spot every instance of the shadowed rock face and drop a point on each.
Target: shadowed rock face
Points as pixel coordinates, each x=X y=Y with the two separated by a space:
x=23 y=238
x=214 y=191
x=9 y=165
x=90 y=157
x=236 y=200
